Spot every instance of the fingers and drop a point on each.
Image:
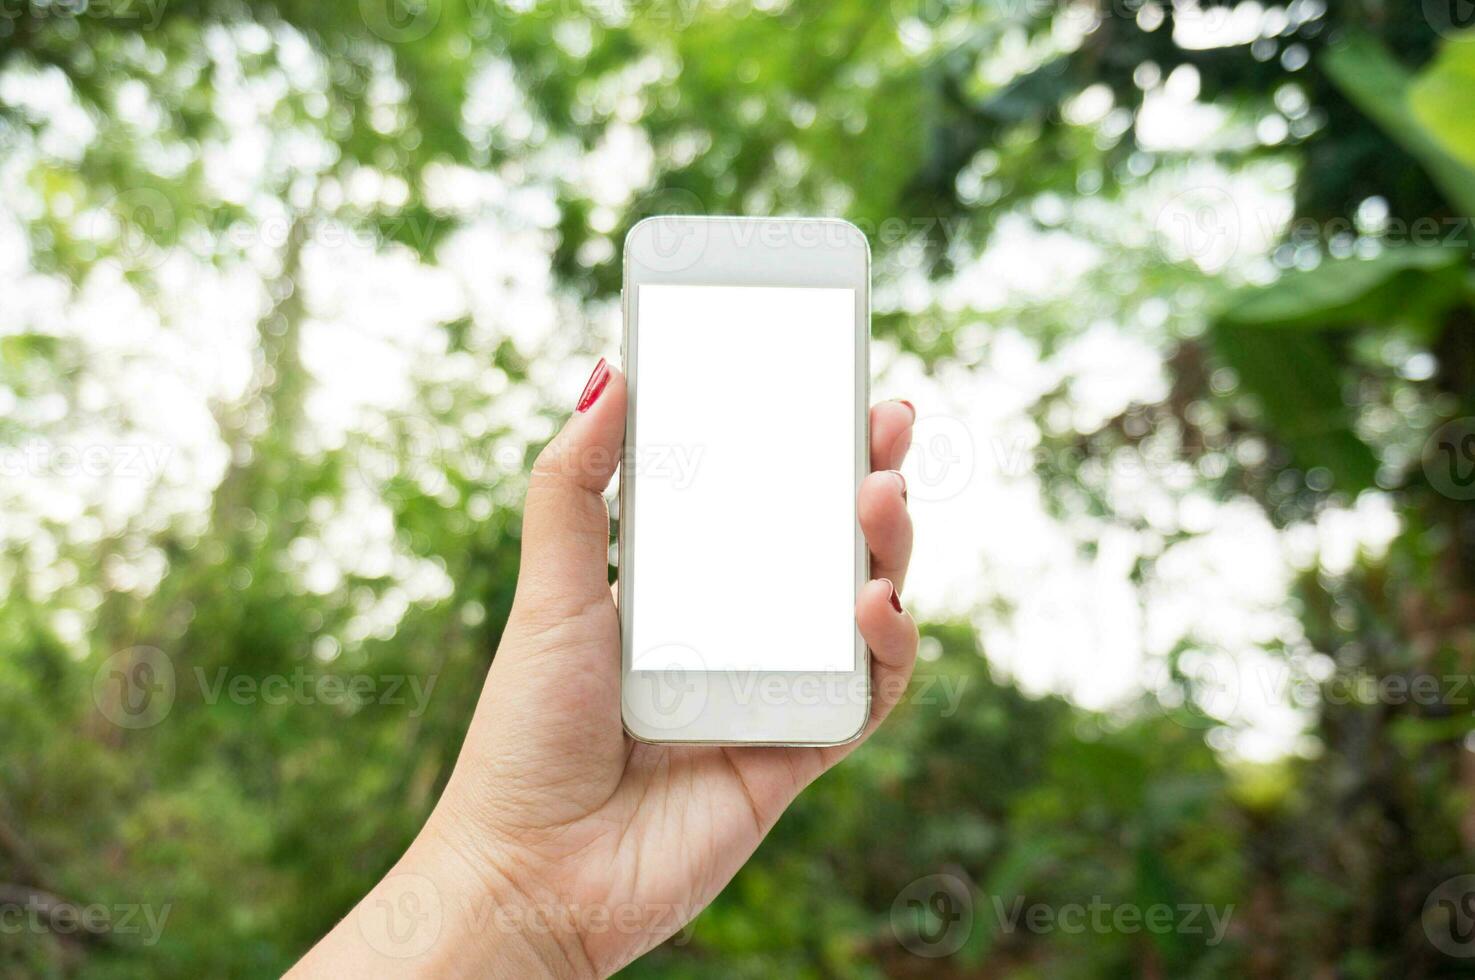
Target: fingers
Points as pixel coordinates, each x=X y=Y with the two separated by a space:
x=892 y=636
x=886 y=524
x=891 y=433
x=890 y=632
x=565 y=526
x=887 y=628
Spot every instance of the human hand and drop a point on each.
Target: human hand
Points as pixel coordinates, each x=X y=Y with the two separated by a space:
x=560 y=844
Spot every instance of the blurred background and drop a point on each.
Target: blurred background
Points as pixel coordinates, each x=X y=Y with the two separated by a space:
x=291 y=293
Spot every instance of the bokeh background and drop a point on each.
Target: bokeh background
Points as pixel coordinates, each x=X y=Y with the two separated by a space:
x=290 y=294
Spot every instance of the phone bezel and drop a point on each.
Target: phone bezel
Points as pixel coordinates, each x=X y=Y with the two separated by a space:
x=746 y=707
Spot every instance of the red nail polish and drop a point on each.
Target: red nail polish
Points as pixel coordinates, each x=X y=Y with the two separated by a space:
x=903 y=481
x=911 y=406
x=595 y=386
x=895 y=599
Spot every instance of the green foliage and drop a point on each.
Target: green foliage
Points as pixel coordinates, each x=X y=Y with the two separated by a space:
x=1370 y=77
x=257 y=824
x=1441 y=99
x=1276 y=339
x=1409 y=288
x=1299 y=383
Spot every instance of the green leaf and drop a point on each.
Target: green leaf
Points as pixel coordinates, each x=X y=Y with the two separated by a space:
x=1298 y=381
x=17 y=349
x=1275 y=338
x=1443 y=98
x=1412 y=734
x=1378 y=85
x=1411 y=287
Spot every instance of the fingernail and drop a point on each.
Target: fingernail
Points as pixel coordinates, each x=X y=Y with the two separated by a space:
x=911 y=406
x=903 y=481
x=595 y=386
x=895 y=599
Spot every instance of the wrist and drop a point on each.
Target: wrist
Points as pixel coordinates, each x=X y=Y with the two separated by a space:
x=497 y=918
x=448 y=910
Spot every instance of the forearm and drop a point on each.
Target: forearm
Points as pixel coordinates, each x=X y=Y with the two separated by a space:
x=438 y=913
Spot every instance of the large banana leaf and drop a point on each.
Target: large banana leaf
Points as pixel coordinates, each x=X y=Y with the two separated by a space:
x=1409 y=287
x=1278 y=340
x=1443 y=99
x=1383 y=89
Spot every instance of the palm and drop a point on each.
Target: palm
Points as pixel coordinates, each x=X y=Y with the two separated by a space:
x=656 y=827
x=681 y=822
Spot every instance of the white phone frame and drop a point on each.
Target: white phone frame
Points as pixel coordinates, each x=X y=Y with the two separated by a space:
x=781 y=708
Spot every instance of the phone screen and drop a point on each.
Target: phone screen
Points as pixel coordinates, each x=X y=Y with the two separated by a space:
x=743 y=476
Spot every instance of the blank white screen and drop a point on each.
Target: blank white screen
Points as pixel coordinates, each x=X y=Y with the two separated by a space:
x=743 y=467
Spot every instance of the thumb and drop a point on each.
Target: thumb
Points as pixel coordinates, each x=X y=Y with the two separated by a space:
x=565 y=525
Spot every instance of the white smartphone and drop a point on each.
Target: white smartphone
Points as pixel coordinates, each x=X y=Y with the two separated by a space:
x=746 y=352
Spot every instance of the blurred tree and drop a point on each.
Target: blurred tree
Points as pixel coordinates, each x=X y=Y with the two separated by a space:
x=927 y=124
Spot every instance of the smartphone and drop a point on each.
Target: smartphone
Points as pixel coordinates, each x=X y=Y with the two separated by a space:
x=747 y=359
